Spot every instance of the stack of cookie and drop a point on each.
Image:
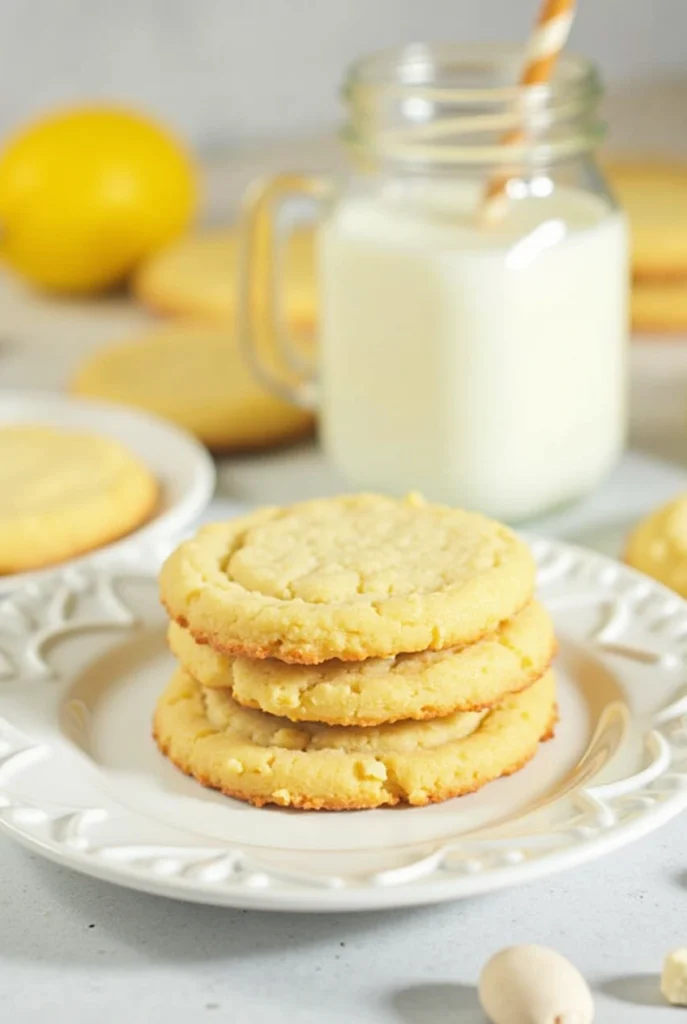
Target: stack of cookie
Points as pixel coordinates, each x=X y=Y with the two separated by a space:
x=354 y=652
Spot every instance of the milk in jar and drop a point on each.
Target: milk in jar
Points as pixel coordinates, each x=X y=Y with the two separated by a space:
x=480 y=360
x=482 y=366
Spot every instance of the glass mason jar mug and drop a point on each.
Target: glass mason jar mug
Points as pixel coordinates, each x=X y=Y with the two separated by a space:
x=473 y=285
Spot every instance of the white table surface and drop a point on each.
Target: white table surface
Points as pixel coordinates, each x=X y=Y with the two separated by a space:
x=72 y=948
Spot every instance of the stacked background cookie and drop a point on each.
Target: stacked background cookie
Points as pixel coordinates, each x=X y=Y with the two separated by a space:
x=653 y=193
x=354 y=652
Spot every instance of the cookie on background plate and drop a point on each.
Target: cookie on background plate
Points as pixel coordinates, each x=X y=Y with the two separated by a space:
x=195 y=376
x=197 y=278
x=658 y=545
x=262 y=759
x=418 y=686
x=352 y=577
x=64 y=493
x=654 y=194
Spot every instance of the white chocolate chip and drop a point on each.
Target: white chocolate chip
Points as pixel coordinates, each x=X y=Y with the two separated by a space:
x=286 y=698
x=674 y=977
x=371 y=770
x=235 y=766
x=534 y=985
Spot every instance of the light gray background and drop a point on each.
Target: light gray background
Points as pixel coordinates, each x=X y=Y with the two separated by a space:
x=223 y=71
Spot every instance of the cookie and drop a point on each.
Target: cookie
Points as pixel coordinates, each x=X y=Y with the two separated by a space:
x=654 y=195
x=658 y=545
x=63 y=493
x=659 y=307
x=195 y=376
x=262 y=759
x=197 y=278
x=353 y=577
x=419 y=686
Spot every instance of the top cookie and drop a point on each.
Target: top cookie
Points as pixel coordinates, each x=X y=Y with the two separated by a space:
x=352 y=577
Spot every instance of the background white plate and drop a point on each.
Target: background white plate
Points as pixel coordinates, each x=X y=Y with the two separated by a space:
x=185 y=470
x=83 y=657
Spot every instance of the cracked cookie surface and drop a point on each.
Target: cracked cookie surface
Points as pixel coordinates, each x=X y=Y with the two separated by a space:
x=423 y=685
x=263 y=759
x=350 y=578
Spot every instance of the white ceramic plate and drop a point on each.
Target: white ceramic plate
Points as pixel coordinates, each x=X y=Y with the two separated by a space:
x=183 y=467
x=82 y=659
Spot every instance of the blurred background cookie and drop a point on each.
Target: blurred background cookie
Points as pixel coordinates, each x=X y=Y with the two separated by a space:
x=653 y=193
x=63 y=493
x=195 y=376
x=658 y=545
x=660 y=307
x=197 y=277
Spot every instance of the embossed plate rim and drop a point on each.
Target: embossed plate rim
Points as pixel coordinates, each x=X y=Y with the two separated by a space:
x=601 y=816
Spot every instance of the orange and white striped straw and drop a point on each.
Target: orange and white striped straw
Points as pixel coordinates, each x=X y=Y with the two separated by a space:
x=548 y=39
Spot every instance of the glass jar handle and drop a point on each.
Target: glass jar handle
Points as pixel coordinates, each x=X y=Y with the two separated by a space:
x=264 y=334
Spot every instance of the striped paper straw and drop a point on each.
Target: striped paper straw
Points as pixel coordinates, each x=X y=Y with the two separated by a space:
x=548 y=39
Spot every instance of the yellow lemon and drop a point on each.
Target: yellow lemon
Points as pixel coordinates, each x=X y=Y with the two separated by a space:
x=87 y=193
